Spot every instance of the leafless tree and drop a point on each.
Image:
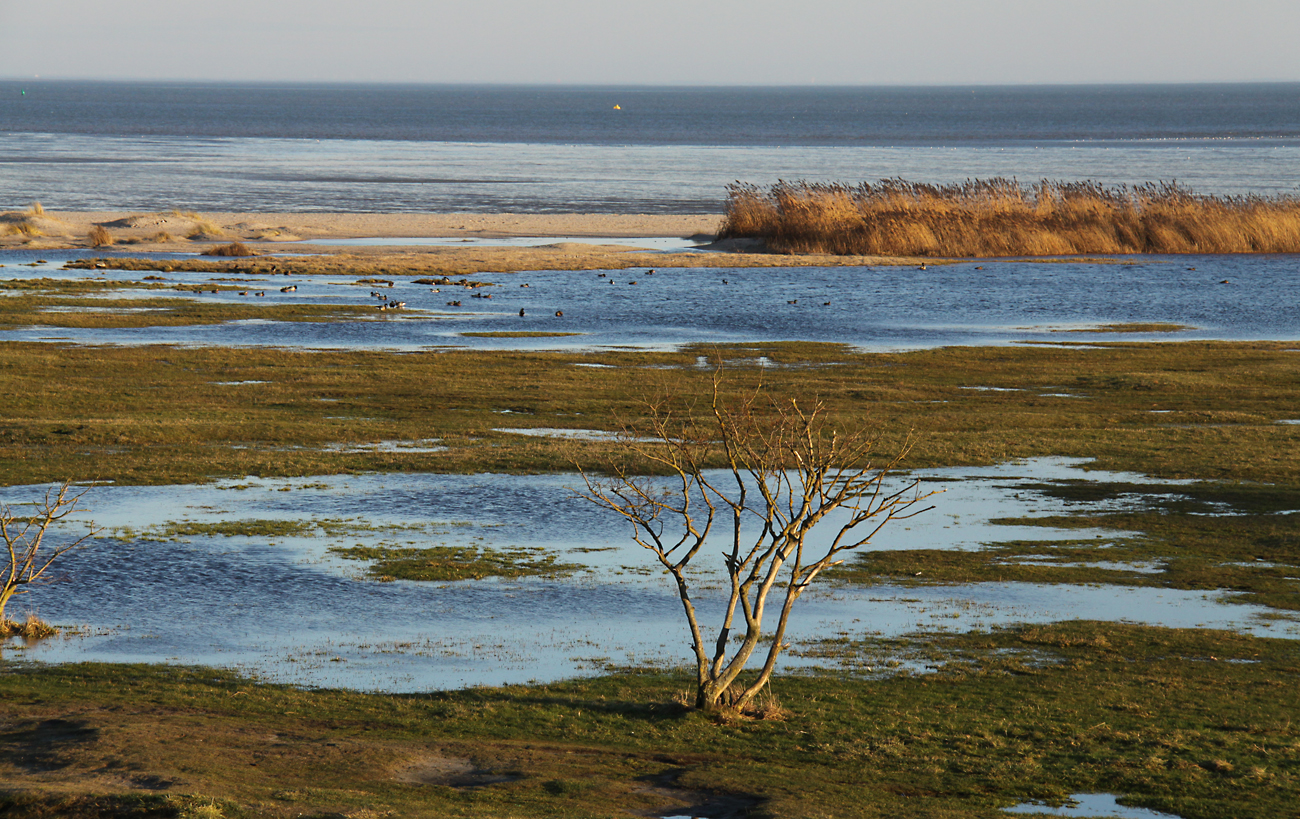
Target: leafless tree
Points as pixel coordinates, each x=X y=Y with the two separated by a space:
x=27 y=558
x=766 y=473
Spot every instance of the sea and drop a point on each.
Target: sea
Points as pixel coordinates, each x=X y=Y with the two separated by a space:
x=608 y=149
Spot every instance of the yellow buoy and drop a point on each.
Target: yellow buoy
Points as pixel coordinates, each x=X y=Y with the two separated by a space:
x=618 y=108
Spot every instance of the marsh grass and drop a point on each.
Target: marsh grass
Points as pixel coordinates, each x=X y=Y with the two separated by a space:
x=36 y=309
x=160 y=415
x=1240 y=538
x=1001 y=217
x=1195 y=723
x=233 y=249
x=30 y=628
x=449 y=563
x=1132 y=327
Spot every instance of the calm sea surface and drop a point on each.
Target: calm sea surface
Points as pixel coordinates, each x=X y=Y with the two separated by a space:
x=139 y=146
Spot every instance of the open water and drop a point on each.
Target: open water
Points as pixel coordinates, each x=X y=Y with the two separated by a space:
x=369 y=148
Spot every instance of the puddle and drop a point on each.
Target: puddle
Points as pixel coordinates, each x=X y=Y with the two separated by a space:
x=1100 y=805
x=235 y=383
x=423 y=445
x=574 y=434
x=293 y=612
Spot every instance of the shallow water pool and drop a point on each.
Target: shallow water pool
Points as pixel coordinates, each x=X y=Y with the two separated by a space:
x=286 y=609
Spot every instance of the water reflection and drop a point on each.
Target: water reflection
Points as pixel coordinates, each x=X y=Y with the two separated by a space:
x=284 y=608
x=1101 y=805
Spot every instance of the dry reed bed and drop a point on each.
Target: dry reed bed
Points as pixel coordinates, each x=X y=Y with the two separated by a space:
x=1000 y=217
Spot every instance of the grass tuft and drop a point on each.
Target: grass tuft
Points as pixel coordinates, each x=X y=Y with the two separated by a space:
x=99 y=237
x=32 y=628
x=1000 y=217
x=232 y=249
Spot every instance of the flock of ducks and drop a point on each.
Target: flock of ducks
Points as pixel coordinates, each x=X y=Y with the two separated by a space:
x=392 y=304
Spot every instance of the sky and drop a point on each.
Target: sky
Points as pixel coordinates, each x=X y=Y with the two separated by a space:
x=655 y=42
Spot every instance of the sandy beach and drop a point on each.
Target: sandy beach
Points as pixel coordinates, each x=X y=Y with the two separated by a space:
x=587 y=240
x=289 y=226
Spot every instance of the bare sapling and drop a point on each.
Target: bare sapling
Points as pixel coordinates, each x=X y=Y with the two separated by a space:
x=758 y=476
x=28 y=558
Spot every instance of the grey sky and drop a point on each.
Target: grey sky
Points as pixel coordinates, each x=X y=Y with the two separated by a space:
x=655 y=42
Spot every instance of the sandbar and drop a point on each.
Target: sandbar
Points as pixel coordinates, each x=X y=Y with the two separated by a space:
x=294 y=233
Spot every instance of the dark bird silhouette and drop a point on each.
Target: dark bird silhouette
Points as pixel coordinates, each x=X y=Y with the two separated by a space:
x=521 y=312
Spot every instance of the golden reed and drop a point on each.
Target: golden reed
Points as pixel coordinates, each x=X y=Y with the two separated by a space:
x=1000 y=217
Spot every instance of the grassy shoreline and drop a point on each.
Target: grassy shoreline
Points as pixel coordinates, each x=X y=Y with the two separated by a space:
x=999 y=217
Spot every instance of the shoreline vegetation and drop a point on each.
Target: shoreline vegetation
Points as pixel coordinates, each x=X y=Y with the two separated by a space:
x=1000 y=217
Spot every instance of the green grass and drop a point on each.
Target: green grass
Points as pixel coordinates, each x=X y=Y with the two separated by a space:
x=167 y=415
x=1196 y=723
x=448 y=563
x=40 y=310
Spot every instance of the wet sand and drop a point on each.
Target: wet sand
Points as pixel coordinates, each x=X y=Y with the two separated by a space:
x=189 y=232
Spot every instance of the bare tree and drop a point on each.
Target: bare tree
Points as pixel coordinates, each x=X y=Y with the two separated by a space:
x=766 y=473
x=27 y=559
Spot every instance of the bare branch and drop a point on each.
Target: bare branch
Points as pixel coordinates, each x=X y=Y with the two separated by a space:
x=784 y=470
x=27 y=559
